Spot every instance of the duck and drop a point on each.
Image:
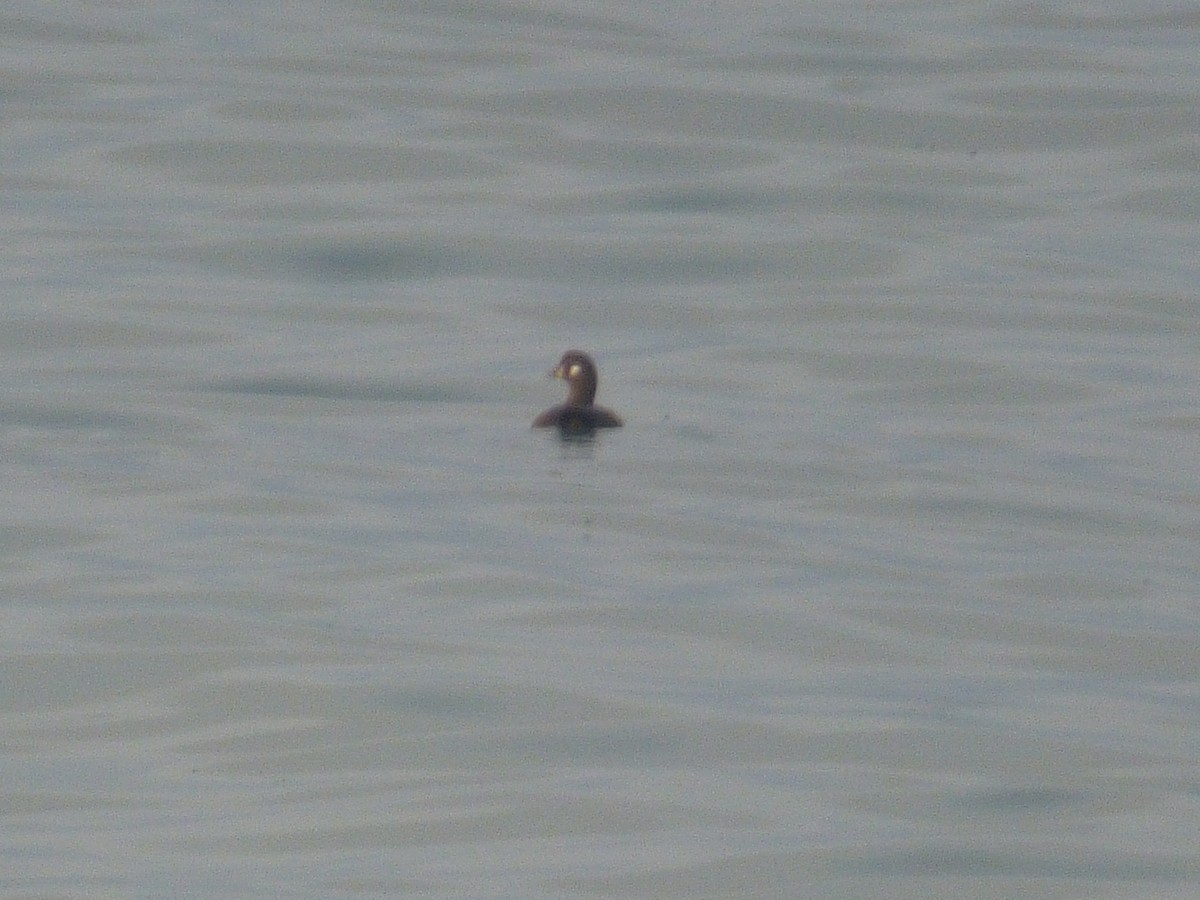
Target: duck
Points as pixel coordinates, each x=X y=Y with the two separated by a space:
x=579 y=415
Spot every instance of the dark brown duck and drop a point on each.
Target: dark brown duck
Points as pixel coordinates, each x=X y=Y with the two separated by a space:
x=580 y=413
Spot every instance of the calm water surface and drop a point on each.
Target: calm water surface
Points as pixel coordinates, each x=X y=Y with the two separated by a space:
x=889 y=587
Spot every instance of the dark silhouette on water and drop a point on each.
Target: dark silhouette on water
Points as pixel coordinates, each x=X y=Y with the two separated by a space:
x=579 y=415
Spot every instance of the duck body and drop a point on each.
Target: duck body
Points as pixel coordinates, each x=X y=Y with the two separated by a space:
x=579 y=415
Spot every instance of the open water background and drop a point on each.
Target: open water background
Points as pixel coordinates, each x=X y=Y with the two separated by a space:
x=889 y=587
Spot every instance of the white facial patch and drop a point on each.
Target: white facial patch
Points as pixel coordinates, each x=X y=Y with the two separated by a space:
x=575 y=369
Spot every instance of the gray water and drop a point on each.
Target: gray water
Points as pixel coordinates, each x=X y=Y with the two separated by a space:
x=888 y=588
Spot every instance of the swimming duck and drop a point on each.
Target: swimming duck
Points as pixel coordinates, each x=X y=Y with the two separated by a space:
x=579 y=415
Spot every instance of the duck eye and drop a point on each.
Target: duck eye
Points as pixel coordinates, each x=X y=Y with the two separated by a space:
x=575 y=369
